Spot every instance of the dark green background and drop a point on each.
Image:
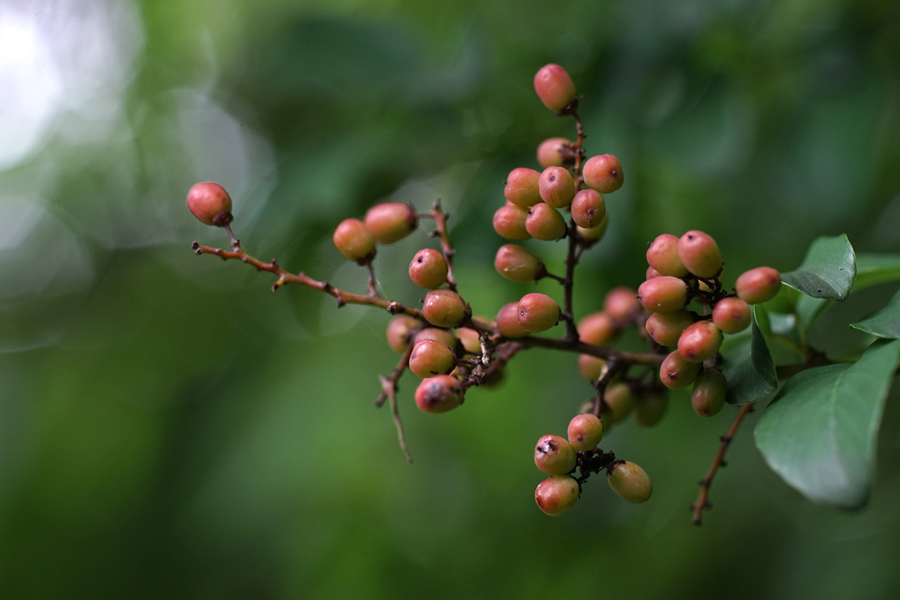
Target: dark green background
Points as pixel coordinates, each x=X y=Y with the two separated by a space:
x=170 y=428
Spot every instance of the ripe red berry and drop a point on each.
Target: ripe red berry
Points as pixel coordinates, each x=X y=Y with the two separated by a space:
x=666 y=328
x=619 y=398
x=663 y=294
x=554 y=455
x=508 y=321
x=391 y=221
x=591 y=367
x=445 y=308
x=398 y=332
x=554 y=87
x=439 y=335
x=549 y=153
x=676 y=373
x=596 y=328
x=545 y=223
x=700 y=254
x=630 y=482
x=439 y=394
x=556 y=186
x=621 y=303
x=509 y=222
x=538 y=312
x=430 y=358
x=585 y=432
x=588 y=208
x=555 y=495
x=522 y=187
x=594 y=234
x=516 y=263
x=210 y=203
x=699 y=341
x=708 y=395
x=650 y=408
x=354 y=240
x=603 y=173
x=662 y=255
x=428 y=269
x=758 y=285
x=731 y=315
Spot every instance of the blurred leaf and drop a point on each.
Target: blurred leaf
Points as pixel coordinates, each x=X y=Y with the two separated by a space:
x=819 y=433
x=749 y=368
x=876 y=268
x=827 y=271
x=885 y=323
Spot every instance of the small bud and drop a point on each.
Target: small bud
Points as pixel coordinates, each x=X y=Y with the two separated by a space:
x=554 y=455
x=731 y=315
x=516 y=263
x=398 y=332
x=621 y=303
x=538 y=312
x=549 y=152
x=708 y=395
x=545 y=223
x=758 y=285
x=555 y=495
x=354 y=240
x=603 y=173
x=666 y=328
x=554 y=87
x=508 y=321
x=445 y=308
x=556 y=186
x=428 y=269
x=700 y=254
x=630 y=482
x=585 y=432
x=210 y=203
x=430 y=358
x=509 y=222
x=439 y=394
x=523 y=187
x=663 y=294
x=699 y=341
x=588 y=209
x=676 y=373
x=662 y=255
x=391 y=221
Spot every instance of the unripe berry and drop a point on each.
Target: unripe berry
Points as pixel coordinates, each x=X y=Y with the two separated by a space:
x=651 y=273
x=594 y=234
x=585 y=432
x=630 y=482
x=621 y=302
x=439 y=394
x=428 y=269
x=430 y=358
x=554 y=87
x=666 y=328
x=708 y=395
x=545 y=223
x=663 y=294
x=210 y=203
x=676 y=373
x=354 y=240
x=516 y=263
x=538 y=312
x=522 y=187
x=508 y=321
x=731 y=315
x=603 y=173
x=469 y=339
x=699 y=341
x=662 y=255
x=650 y=408
x=391 y=221
x=555 y=495
x=620 y=400
x=439 y=335
x=758 y=285
x=557 y=187
x=445 y=308
x=554 y=455
x=509 y=222
x=549 y=153
x=588 y=209
x=700 y=254
x=591 y=367
x=596 y=328
x=398 y=332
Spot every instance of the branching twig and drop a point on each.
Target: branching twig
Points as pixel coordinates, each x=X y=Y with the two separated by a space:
x=440 y=223
x=572 y=254
x=389 y=392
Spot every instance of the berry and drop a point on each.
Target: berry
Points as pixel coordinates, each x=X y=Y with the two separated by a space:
x=398 y=332
x=439 y=394
x=445 y=308
x=676 y=373
x=516 y=263
x=210 y=203
x=430 y=358
x=708 y=395
x=354 y=240
x=538 y=312
x=585 y=432
x=428 y=269
x=391 y=221
x=699 y=341
x=603 y=173
x=555 y=495
x=594 y=234
x=554 y=87
x=758 y=285
x=651 y=273
x=588 y=209
x=621 y=302
x=509 y=222
x=508 y=321
x=522 y=187
x=597 y=328
x=663 y=294
x=666 y=328
x=439 y=335
x=650 y=408
x=469 y=339
x=554 y=455
x=630 y=482
x=556 y=187
x=620 y=400
x=731 y=315
x=545 y=223
x=700 y=254
x=662 y=256
x=591 y=367
x=550 y=152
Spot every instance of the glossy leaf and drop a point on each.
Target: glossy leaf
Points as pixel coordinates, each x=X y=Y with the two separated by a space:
x=876 y=268
x=820 y=432
x=884 y=323
x=828 y=271
x=749 y=368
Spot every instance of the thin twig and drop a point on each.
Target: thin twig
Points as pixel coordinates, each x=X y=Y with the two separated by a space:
x=572 y=255
x=389 y=392
x=371 y=286
x=440 y=223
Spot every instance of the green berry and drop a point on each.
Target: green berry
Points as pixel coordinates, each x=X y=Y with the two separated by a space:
x=650 y=408
x=597 y=329
x=354 y=240
x=516 y=263
x=708 y=395
x=555 y=495
x=210 y=203
x=508 y=321
x=699 y=341
x=509 y=222
x=758 y=285
x=603 y=173
x=666 y=328
x=700 y=254
x=663 y=294
x=399 y=331
x=585 y=432
x=554 y=455
x=619 y=398
x=522 y=187
x=731 y=315
x=556 y=186
x=545 y=223
x=588 y=209
x=538 y=312
x=391 y=221
x=591 y=367
x=439 y=394
x=430 y=358
x=428 y=269
x=554 y=87
x=445 y=308
x=630 y=482
x=550 y=152
x=621 y=303
x=662 y=256
x=676 y=373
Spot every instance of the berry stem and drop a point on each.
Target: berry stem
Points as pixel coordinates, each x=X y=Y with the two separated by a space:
x=440 y=223
x=371 y=286
x=389 y=392
x=572 y=254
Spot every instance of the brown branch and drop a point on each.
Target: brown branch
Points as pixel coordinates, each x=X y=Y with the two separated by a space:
x=371 y=285
x=718 y=462
x=565 y=345
x=572 y=254
x=440 y=223
x=389 y=392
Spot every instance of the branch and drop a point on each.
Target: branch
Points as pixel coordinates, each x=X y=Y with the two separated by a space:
x=572 y=255
x=565 y=345
x=440 y=223
x=389 y=392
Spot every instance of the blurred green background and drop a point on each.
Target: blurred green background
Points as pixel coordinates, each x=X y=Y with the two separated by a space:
x=170 y=428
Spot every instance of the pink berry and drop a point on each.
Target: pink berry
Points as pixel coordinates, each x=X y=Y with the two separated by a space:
x=545 y=223
x=676 y=373
x=585 y=432
x=662 y=255
x=699 y=341
x=522 y=187
x=516 y=263
x=700 y=254
x=555 y=495
x=554 y=455
x=428 y=269
x=621 y=303
x=588 y=208
x=508 y=321
x=538 y=312
x=663 y=294
x=603 y=173
x=391 y=221
x=758 y=285
x=556 y=186
x=445 y=308
x=439 y=394
x=731 y=315
x=550 y=152
x=509 y=222
x=597 y=329
x=554 y=87
x=354 y=240
x=210 y=203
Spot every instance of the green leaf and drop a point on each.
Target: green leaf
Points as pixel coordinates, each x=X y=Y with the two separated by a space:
x=819 y=432
x=827 y=271
x=749 y=369
x=876 y=268
x=885 y=323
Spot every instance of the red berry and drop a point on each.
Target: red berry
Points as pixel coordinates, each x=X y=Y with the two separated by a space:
x=210 y=203
x=354 y=240
x=651 y=273
x=430 y=358
x=555 y=495
x=666 y=328
x=538 y=312
x=758 y=285
x=545 y=223
x=662 y=255
x=731 y=315
x=621 y=303
x=585 y=432
x=588 y=209
x=699 y=341
x=554 y=455
x=663 y=294
x=445 y=308
x=549 y=153
x=708 y=395
x=630 y=482
x=428 y=269
x=522 y=187
x=603 y=173
x=554 y=87
x=516 y=263
x=556 y=186
x=508 y=321
x=509 y=222
x=398 y=332
x=439 y=394
x=676 y=373
x=700 y=254
x=391 y=221
x=597 y=328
